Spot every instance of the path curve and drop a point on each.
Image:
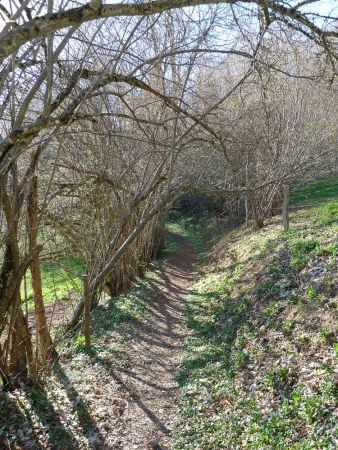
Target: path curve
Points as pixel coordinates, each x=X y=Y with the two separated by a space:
x=148 y=374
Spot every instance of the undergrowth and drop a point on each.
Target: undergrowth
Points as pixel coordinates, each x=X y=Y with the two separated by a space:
x=259 y=369
x=118 y=314
x=200 y=230
x=60 y=280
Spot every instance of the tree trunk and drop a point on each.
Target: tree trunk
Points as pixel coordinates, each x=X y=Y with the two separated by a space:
x=98 y=281
x=21 y=361
x=45 y=348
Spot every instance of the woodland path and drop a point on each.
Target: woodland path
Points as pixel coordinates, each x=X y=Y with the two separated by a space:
x=147 y=375
x=124 y=401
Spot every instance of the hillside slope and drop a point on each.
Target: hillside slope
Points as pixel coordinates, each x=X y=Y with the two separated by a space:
x=260 y=369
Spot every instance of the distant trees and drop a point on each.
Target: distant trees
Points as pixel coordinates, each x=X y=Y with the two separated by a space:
x=290 y=133
x=104 y=122
x=279 y=127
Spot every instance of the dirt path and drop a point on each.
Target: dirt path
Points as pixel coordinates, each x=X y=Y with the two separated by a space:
x=148 y=373
x=111 y=401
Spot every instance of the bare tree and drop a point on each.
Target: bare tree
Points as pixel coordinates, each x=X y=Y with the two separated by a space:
x=107 y=112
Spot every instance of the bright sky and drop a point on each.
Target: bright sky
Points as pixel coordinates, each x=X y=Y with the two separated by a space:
x=323 y=7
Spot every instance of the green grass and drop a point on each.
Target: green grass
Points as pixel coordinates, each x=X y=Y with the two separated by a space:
x=62 y=278
x=59 y=280
x=326 y=214
x=317 y=191
x=234 y=390
x=120 y=313
x=201 y=231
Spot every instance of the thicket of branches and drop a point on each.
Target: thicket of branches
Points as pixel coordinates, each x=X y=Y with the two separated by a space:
x=109 y=112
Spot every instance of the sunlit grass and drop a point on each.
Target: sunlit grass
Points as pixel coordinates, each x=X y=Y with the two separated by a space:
x=317 y=191
x=59 y=280
x=230 y=397
x=201 y=231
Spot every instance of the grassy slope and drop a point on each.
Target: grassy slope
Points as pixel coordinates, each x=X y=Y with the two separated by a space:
x=259 y=369
x=318 y=191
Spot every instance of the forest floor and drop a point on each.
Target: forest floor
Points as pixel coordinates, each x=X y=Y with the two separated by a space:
x=241 y=355
x=146 y=376
x=259 y=369
x=122 y=395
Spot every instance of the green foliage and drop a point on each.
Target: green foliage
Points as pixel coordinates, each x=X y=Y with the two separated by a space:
x=325 y=333
x=293 y=297
x=288 y=325
x=267 y=290
x=227 y=400
x=188 y=227
x=201 y=230
x=330 y=250
x=118 y=313
x=311 y=291
x=170 y=245
x=214 y=413
x=302 y=251
x=335 y=347
x=326 y=214
x=59 y=280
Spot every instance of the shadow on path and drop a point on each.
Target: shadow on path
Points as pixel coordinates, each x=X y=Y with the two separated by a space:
x=147 y=374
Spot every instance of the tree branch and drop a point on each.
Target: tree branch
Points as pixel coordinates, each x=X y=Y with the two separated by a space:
x=41 y=26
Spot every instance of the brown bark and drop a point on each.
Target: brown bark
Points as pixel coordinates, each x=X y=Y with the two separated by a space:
x=275 y=205
x=16 y=357
x=46 y=348
x=21 y=364
x=86 y=313
x=43 y=25
x=109 y=265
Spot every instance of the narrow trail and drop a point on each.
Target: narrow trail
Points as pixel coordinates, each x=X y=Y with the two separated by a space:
x=147 y=375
